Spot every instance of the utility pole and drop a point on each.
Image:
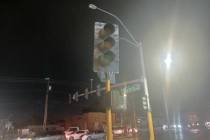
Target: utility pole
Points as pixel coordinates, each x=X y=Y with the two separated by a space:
x=91 y=84
x=46 y=103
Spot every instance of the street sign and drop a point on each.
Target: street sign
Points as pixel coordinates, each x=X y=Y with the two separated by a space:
x=128 y=88
x=119 y=95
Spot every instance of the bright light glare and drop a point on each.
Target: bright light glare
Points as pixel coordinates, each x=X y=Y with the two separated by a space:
x=207 y=124
x=168 y=61
x=179 y=126
x=165 y=127
x=92 y=6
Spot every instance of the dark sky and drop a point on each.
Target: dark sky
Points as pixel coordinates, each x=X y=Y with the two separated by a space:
x=55 y=38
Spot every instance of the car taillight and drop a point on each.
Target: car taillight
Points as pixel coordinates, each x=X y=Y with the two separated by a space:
x=81 y=136
x=66 y=136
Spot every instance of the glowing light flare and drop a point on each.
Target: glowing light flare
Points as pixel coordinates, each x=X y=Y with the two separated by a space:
x=168 y=61
x=124 y=95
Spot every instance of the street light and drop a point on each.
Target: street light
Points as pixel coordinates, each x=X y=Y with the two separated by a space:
x=138 y=45
x=168 y=61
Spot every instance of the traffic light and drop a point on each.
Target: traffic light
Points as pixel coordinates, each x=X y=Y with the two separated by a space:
x=70 y=99
x=86 y=93
x=98 y=90
x=144 y=103
x=106 y=48
x=75 y=97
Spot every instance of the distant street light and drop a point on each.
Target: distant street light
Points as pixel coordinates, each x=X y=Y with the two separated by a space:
x=168 y=61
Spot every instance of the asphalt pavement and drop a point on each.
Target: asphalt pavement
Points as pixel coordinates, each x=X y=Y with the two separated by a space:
x=180 y=135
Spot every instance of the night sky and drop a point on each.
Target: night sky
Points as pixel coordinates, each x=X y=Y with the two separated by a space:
x=54 y=39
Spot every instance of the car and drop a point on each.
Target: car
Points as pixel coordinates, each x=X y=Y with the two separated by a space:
x=118 y=131
x=172 y=127
x=70 y=131
x=77 y=135
x=43 y=135
x=96 y=135
x=194 y=127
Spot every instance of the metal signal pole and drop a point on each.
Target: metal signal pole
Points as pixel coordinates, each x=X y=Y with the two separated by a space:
x=108 y=108
x=138 y=45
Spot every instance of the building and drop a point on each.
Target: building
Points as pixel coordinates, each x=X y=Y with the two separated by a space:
x=91 y=121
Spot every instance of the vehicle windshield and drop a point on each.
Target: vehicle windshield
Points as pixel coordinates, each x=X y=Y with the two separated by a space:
x=78 y=132
x=72 y=129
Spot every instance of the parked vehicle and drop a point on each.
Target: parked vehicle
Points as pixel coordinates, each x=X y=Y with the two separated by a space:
x=97 y=135
x=70 y=131
x=194 y=128
x=77 y=135
x=118 y=131
x=44 y=135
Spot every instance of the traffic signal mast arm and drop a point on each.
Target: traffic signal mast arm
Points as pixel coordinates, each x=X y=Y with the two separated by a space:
x=112 y=87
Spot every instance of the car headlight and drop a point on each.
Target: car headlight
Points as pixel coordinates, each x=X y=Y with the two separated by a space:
x=179 y=126
x=165 y=127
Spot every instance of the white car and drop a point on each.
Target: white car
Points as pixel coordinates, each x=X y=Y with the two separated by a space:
x=77 y=135
x=70 y=131
x=118 y=131
x=97 y=135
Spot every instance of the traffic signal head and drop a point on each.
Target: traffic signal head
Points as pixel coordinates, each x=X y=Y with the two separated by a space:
x=70 y=98
x=75 y=97
x=106 y=59
x=144 y=103
x=106 y=48
x=106 y=44
x=98 y=90
x=86 y=93
x=107 y=30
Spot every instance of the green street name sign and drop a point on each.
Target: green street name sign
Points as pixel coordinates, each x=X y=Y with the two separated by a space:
x=127 y=89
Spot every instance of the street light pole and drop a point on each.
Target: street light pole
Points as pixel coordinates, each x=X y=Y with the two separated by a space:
x=108 y=108
x=139 y=45
x=146 y=92
x=46 y=103
x=167 y=61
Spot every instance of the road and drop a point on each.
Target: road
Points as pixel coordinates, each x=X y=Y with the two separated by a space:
x=161 y=136
x=180 y=135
